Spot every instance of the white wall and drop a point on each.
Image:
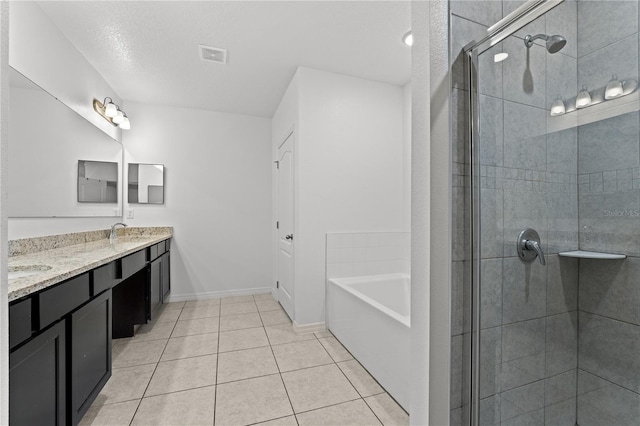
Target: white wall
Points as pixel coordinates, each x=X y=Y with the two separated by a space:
x=406 y=167
x=430 y=215
x=349 y=163
x=217 y=195
x=43 y=54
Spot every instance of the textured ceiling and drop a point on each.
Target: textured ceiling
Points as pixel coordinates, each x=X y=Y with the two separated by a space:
x=148 y=50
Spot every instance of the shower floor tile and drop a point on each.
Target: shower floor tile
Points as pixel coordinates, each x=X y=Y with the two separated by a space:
x=213 y=370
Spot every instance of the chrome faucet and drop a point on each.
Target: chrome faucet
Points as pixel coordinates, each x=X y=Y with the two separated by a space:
x=112 y=235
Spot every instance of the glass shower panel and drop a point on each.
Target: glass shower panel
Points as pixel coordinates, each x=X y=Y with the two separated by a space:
x=557 y=150
x=528 y=355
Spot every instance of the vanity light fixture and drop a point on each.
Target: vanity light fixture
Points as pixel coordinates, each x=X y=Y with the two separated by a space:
x=614 y=88
x=408 y=38
x=584 y=98
x=112 y=113
x=557 y=107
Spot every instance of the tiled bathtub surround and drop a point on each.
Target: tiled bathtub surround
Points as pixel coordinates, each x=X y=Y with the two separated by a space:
x=373 y=253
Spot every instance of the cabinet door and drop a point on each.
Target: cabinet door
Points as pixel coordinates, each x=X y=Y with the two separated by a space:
x=37 y=388
x=155 y=291
x=166 y=276
x=90 y=352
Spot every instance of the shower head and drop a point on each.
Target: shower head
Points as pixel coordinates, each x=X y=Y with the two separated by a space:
x=555 y=43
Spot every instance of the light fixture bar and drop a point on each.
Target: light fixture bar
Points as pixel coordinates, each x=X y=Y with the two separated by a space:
x=103 y=110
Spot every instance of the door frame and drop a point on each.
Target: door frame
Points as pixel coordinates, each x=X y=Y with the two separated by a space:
x=289 y=133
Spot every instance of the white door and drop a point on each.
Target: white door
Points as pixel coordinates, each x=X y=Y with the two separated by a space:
x=285 y=226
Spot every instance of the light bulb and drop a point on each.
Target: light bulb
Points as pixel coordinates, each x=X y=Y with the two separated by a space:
x=499 y=57
x=557 y=107
x=584 y=98
x=614 y=88
x=408 y=39
x=126 y=125
x=110 y=110
x=119 y=118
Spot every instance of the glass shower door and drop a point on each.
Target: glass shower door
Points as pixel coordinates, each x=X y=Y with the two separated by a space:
x=556 y=150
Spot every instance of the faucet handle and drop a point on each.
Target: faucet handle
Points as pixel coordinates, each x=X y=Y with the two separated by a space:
x=528 y=246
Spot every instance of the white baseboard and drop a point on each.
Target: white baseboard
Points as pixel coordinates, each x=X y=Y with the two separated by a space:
x=309 y=328
x=216 y=294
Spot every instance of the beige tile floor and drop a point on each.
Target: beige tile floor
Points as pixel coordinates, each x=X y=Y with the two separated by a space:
x=236 y=361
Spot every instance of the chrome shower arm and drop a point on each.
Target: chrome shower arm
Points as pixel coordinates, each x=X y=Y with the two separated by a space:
x=529 y=39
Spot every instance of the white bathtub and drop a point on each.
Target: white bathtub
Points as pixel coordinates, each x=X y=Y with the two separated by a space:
x=370 y=315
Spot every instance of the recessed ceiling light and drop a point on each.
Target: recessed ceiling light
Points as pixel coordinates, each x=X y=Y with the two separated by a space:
x=499 y=57
x=408 y=39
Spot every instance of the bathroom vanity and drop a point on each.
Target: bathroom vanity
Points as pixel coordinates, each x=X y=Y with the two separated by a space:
x=66 y=305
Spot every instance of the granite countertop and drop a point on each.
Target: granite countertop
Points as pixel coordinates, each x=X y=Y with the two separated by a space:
x=69 y=261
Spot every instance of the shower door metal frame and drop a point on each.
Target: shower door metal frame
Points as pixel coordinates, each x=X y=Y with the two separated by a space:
x=507 y=26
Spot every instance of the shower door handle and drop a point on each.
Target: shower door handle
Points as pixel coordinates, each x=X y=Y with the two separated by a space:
x=529 y=246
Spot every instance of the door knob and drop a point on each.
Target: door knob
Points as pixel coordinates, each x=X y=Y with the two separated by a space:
x=529 y=246
x=288 y=237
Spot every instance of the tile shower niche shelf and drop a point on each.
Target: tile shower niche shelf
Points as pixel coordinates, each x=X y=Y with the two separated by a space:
x=592 y=255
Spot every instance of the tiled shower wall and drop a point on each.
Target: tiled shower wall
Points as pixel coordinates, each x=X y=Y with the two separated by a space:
x=528 y=179
x=580 y=188
x=609 y=210
x=371 y=253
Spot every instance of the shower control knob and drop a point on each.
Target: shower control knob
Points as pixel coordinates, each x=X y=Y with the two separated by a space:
x=528 y=246
x=288 y=237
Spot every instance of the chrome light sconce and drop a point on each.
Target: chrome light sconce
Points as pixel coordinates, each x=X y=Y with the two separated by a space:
x=614 y=89
x=112 y=113
x=558 y=107
x=584 y=98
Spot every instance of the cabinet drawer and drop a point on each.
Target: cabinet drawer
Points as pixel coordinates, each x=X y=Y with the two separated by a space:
x=153 y=252
x=133 y=263
x=104 y=278
x=162 y=247
x=62 y=299
x=19 y=322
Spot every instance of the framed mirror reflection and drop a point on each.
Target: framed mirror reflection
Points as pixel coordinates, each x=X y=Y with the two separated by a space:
x=145 y=183
x=97 y=182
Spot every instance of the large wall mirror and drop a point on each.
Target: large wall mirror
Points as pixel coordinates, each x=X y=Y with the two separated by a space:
x=146 y=183
x=46 y=141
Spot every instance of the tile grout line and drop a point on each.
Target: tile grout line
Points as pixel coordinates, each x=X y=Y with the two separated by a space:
x=286 y=391
x=154 y=370
x=215 y=397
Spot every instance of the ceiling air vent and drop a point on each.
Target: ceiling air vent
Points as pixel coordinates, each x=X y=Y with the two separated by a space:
x=213 y=54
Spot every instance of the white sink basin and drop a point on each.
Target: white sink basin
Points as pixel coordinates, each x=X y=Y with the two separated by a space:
x=26 y=271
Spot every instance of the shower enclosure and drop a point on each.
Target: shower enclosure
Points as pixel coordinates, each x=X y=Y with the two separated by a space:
x=546 y=297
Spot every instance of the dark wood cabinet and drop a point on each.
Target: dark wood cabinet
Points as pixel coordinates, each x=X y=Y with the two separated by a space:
x=20 y=322
x=166 y=276
x=37 y=380
x=61 y=337
x=155 y=286
x=89 y=353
